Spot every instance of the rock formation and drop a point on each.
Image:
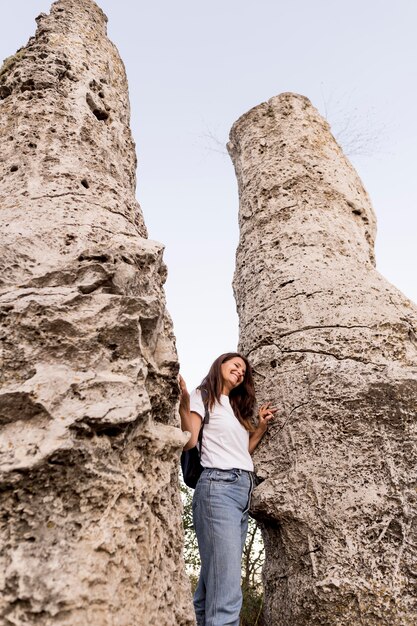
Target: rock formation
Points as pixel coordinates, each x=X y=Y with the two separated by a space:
x=334 y=346
x=89 y=439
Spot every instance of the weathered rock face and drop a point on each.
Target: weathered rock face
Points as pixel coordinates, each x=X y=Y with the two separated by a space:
x=89 y=438
x=334 y=346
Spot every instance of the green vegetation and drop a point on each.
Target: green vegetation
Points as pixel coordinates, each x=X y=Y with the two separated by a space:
x=9 y=63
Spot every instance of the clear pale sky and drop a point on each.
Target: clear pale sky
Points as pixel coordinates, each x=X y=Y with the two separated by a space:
x=195 y=67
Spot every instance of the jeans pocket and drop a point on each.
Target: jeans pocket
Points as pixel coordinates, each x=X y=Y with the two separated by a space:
x=224 y=476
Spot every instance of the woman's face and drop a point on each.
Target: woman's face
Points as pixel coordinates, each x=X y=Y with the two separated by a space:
x=233 y=373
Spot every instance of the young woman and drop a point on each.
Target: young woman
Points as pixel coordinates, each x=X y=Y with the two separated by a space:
x=221 y=498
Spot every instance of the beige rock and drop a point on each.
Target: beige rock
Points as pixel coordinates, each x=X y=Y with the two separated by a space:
x=89 y=438
x=334 y=346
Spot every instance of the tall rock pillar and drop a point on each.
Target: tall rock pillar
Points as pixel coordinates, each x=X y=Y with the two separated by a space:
x=334 y=346
x=89 y=440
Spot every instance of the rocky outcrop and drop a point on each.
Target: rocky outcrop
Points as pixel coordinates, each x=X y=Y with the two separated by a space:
x=89 y=438
x=334 y=346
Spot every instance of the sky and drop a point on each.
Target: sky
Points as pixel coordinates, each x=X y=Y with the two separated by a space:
x=195 y=67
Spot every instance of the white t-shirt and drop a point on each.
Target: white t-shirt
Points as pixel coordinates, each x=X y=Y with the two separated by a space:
x=225 y=441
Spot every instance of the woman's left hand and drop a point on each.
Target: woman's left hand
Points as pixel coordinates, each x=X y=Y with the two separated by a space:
x=266 y=414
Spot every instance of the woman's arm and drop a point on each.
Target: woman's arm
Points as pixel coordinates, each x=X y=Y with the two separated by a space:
x=266 y=413
x=190 y=421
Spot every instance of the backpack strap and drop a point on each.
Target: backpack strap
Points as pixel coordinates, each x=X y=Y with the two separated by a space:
x=206 y=417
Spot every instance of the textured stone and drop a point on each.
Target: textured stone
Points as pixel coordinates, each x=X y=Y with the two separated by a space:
x=334 y=345
x=89 y=439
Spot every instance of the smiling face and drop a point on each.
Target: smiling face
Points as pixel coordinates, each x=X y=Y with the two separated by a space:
x=233 y=373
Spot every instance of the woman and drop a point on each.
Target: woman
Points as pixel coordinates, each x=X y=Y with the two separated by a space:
x=222 y=496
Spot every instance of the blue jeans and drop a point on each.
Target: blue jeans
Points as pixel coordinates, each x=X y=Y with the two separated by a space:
x=220 y=514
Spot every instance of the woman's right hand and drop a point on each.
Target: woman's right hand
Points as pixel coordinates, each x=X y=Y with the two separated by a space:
x=184 y=395
x=190 y=421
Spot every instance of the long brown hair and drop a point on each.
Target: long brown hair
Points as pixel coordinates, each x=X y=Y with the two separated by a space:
x=242 y=397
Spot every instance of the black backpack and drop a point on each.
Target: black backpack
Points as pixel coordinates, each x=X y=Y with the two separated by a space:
x=190 y=459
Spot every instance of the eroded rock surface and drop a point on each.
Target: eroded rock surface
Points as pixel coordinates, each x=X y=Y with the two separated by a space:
x=334 y=345
x=89 y=438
